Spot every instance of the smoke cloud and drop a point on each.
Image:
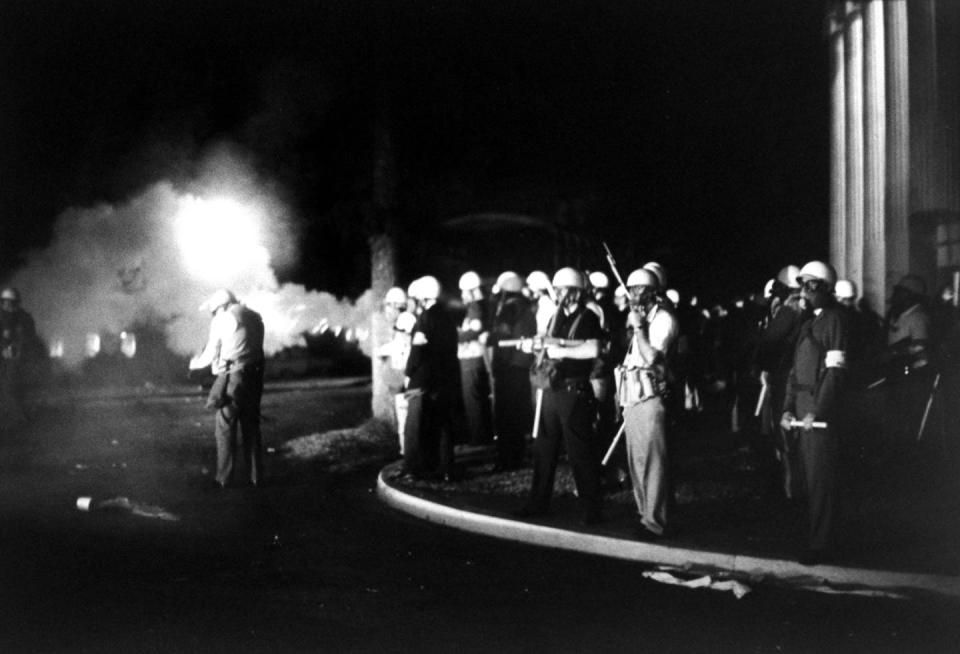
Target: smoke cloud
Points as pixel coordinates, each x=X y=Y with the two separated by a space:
x=109 y=268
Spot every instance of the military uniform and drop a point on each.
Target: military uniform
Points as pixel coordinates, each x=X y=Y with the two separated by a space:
x=432 y=391
x=645 y=421
x=19 y=351
x=474 y=381
x=566 y=416
x=513 y=413
x=814 y=386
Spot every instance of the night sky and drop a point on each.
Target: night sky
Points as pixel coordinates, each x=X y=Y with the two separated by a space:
x=697 y=130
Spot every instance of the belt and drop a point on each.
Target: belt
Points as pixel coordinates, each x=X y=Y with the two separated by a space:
x=574 y=385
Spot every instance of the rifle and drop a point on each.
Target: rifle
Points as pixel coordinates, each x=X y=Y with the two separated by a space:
x=544 y=341
x=613 y=265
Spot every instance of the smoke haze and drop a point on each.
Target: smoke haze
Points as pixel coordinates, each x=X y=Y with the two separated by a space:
x=111 y=267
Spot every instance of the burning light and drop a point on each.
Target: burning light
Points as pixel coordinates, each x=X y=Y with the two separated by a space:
x=219 y=238
x=92 y=345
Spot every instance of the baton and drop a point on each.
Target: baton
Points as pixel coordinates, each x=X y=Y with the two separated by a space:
x=926 y=410
x=761 y=400
x=616 y=439
x=817 y=424
x=536 y=413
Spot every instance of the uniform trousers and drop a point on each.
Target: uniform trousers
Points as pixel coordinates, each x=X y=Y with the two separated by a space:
x=645 y=427
x=239 y=419
x=428 y=433
x=819 y=456
x=514 y=414
x=566 y=416
x=475 y=385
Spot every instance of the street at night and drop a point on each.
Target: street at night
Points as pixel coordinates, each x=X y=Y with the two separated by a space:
x=315 y=562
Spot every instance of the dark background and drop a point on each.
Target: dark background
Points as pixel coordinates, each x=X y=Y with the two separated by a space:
x=696 y=131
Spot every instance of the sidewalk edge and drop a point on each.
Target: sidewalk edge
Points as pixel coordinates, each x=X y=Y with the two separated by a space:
x=658 y=554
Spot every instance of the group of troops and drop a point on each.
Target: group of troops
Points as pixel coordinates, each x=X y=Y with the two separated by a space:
x=572 y=364
x=556 y=360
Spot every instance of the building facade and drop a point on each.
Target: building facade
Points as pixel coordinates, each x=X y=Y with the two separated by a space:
x=895 y=142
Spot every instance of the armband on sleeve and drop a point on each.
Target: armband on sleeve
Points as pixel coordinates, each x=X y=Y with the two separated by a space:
x=835 y=359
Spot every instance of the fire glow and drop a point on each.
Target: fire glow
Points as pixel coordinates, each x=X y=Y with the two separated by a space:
x=219 y=237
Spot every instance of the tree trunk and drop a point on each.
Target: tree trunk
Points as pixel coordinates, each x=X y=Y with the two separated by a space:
x=383 y=265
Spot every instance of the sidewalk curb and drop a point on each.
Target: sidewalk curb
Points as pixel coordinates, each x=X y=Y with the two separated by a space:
x=667 y=555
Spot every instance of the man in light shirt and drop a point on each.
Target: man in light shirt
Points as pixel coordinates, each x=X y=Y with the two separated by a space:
x=234 y=352
x=653 y=331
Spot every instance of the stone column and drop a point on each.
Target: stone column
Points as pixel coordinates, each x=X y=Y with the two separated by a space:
x=853 y=72
x=838 y=136
x=875 y=152
x=898 y=146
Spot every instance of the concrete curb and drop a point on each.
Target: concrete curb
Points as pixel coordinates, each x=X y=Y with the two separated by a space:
x=674 y=556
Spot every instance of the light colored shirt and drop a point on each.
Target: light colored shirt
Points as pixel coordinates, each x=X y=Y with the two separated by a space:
x=231 y=341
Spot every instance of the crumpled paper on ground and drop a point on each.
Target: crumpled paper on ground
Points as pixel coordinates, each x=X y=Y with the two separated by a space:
x=137 y=508
x=735 y=587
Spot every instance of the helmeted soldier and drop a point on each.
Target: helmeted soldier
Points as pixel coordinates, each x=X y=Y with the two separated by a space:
x=642 y=390
x=433 y=386
x=20 y=352
x=568 y=405
x=513 y=411
x=814 y=388
x=474 y=379
x=775 y=345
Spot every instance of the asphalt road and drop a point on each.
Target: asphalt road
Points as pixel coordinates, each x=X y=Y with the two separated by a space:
x=314 y=563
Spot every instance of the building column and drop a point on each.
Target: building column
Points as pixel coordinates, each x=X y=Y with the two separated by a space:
x=898 y=147
x=853 y=73
x=838 y=137
x=875 y=152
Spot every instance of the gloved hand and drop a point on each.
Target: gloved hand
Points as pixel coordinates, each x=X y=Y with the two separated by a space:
x=808 y=421
x=786 y=419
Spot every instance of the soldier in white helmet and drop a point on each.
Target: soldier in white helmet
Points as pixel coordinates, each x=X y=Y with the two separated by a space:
x=774 y=358
x=20 y=354
x=474 y=379
x=642 y=391
x=432 y=387
x=545 y=304
x=395 y=351
x=513 y=412
x=568 y=406
x=234 y=353
x=814 y=389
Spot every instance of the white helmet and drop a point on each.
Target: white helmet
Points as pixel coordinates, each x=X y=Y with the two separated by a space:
x=845 y=289
x=395 y=296
x=469 y=281
x=643 y=277
x=413 y=289
x=509 y=282
x=818 y=270
x=620 y=291
x=569 y=277
x=428 y=288
x=673 y=295
x=10 y=293
x=538 y=280
x=788 y=276
x=599 y=280
x=768 y=288
x=220 y=298
x=657 y=270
